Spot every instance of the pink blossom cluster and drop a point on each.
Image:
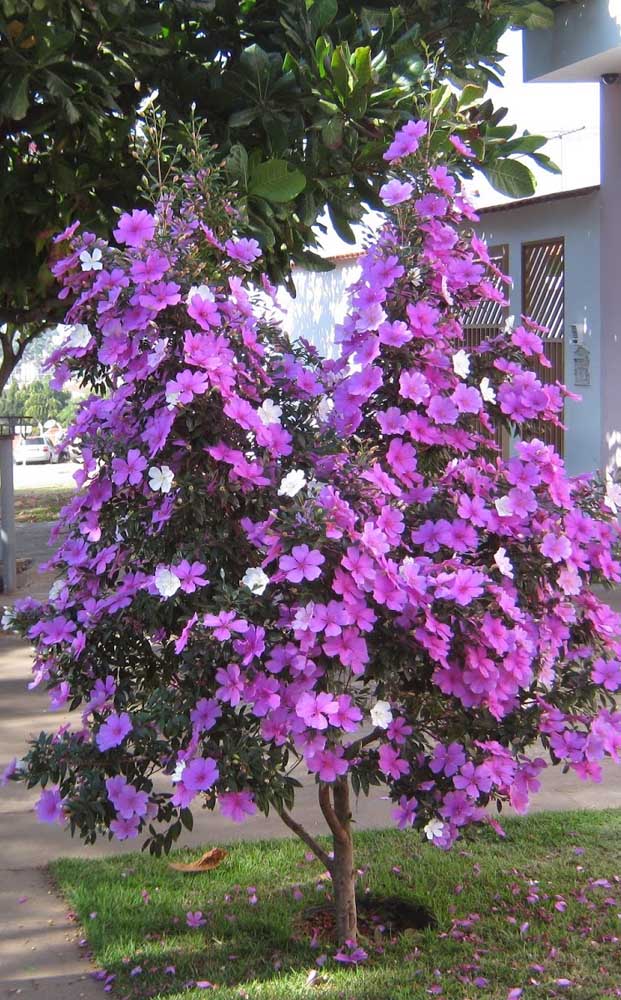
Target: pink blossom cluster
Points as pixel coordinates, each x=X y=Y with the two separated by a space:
x=253 y=577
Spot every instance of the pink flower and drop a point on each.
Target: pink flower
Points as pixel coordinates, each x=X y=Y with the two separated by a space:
x=113 y=731
x=316 y=710
x=129 y=469
x=135 y=229
x=244 y=250
x=224 y=624
x=125 y=829
x=191 y=575
x=556 y=547
x=406 y=141
x=231 y=684
x=49 y=807
x=328 y=764
x=200 y=774
x=206 y=714
x=204 y=311
x=608 y=673
x=390 y=763
x=405 y=813
x=461 y=147
x=302 y=564
x=395 y=192
x=128 y=801
x=237 y=806
x=166 y=293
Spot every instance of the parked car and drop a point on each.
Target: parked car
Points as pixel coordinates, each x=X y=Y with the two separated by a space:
x=34 y=449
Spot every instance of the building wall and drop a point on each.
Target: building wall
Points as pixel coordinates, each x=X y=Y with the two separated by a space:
x=584 y=43
x=577 y=219
x=320 y=303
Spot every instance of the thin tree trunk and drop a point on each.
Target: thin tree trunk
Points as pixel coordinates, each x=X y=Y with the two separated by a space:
x=338 y=817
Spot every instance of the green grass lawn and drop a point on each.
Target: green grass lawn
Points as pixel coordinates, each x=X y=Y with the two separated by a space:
x=540 y=911
x=45 y=504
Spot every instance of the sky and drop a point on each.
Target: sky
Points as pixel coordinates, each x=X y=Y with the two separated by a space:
x=568 y=113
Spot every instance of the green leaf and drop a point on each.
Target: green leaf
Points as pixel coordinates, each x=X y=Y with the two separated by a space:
x=341 y=225
x=275 y=181
x=341 y=73
x=361 y=60
x=510 y=177
x=240 y=118
x=332 y=132
x=237 y=164
x=14 y=103
x=322 y=12
x=312 y=261
x=470 y=95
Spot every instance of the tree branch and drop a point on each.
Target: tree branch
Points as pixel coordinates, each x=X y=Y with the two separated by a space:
x=353 y=749
x=304 y=835
x=338 y=831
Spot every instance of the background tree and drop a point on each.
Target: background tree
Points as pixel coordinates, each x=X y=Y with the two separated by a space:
x=298 y=96
x=39 y=402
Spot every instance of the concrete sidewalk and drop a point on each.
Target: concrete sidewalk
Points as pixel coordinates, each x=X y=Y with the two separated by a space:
x=38 y=952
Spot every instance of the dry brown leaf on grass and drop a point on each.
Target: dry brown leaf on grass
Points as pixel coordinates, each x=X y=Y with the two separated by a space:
x=209 y=860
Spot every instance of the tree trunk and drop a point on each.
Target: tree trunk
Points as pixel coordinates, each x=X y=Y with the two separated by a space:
x=343 y=871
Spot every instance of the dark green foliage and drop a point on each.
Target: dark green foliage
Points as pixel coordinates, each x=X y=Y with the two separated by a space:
x=299 y=95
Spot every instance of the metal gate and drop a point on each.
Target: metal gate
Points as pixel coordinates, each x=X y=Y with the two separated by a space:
x=543 y=301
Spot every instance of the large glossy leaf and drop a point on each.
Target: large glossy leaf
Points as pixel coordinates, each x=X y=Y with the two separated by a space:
x=275 y=181
x=510 y=177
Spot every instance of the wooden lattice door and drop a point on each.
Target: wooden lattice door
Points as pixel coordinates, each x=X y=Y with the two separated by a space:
x=543 y=300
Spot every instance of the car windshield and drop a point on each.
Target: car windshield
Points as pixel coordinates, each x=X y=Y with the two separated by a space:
x=35 y=441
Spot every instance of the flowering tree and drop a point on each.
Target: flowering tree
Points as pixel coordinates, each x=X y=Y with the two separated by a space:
x=279 y=564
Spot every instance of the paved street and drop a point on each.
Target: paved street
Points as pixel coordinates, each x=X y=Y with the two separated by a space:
x=44 y=475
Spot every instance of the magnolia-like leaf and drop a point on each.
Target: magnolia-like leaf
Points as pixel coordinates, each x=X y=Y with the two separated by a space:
x=510 y=177
x=274 y=181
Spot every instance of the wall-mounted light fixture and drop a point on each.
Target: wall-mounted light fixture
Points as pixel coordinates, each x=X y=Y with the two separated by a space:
x=578 y=332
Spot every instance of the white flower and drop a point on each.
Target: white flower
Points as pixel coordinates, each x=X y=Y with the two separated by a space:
x=509 y=324
x=255 y=579
x=381 y=714
x=161 y=478
x=612 y=500
x=487 y=390
x=8 y=617
x=177 y=774
x=204 y=291
x=434 y=828
x=293 y=482
x=503 y=506
x=159 y=350
x=326 y=405
x=503 y=562
x=269 y=412
x=461 y=364
x=79 y=336
x=172 y=398
x=56 y=589
x=166 y=582
x=91 y=260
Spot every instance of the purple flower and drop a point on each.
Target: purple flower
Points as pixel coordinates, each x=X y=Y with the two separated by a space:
x=461 y=147
x=135 y=229
x=405 y=812
x=125 y=829
x=244 y=250
x=200 y=774
x=49 y=807
x=191 y=575
x=195 y=918
x=237 y=806
x=395 y=192
x=608 y=673
x=302 y=564
x=113 y=731
x=406 y=141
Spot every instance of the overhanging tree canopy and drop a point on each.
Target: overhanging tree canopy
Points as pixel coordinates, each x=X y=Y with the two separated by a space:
x=299 y=94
